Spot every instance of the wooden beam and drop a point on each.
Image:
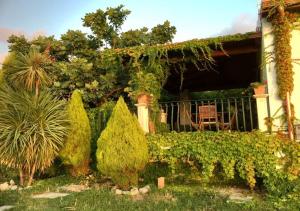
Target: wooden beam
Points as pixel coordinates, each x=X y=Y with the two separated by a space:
x=233 y=52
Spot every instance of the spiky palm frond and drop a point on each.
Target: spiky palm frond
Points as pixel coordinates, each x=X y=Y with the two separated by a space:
x=29 y=70
x=32 y=129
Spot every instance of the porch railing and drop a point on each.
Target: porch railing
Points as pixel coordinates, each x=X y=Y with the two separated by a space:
x=237 y=113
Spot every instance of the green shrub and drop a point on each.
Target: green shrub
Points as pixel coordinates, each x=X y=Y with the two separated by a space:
x=6 y=174
x=250 y=155
x=76 y=151
x=122 y=147
x=98 y=119
x=153 y=170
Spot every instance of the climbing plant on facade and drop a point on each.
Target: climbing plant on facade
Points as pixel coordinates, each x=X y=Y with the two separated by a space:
x=283 y=23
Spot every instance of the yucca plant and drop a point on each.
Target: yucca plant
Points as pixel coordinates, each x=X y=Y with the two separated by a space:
x=32 y=130
x=33 y=123
x=28 y=71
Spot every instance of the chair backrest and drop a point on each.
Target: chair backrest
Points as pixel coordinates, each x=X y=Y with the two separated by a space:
x=208 y=112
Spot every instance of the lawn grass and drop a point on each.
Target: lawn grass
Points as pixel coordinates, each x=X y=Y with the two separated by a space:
x=173 y=197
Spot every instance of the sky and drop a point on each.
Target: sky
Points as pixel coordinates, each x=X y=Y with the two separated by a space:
x=192 y=18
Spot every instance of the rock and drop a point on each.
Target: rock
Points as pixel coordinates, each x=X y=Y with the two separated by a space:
x=13 y=187
x=134 y=192
x=114 y=188
x=49 y=195
x=11 y=182
x=239 y=198
x=75 y=188
x=145 y=189
x=6 y=207
x=119 y=192
x=126 y=192
x=4 y=186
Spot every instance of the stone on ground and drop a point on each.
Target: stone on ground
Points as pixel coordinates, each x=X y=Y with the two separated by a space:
x=134 y=192
x=239 y=198
x=4 y=186
x=6 y=207
x=49 y=195
x=75 y=188
x=119 y=192
x=145 y=189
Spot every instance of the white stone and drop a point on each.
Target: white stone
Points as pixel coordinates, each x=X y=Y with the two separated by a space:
x=75 y=188
x=6 y=207
x=114 y=188
x=126 y=192
x=134 y=192
x=11 y=182
x=13 y=187
x=4 y=186
x=145 y=189
x=119 y=192
x=239 y=198
x=49 y=195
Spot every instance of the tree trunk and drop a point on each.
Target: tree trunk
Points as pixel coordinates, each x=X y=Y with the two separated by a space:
x=21 y=176
x=289 y=115
x=31 y=174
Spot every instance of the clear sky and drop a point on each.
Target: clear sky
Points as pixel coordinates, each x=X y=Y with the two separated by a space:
x=192 y=18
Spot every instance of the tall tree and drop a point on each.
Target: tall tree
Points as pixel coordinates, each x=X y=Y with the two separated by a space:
x=18 y=44
x=162 y=33
x=134 y=38
x=106 y=25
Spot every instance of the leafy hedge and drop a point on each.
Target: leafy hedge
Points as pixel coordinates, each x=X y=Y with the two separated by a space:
x=250 y=155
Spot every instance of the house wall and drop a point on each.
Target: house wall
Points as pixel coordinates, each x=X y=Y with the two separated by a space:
x=295 y=42
x=269 y=74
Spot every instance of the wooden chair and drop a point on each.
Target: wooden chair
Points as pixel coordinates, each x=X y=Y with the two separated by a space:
x=230 y=124
x=208 y=116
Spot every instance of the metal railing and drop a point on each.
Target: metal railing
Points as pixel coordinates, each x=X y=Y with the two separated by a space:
x=234 y=113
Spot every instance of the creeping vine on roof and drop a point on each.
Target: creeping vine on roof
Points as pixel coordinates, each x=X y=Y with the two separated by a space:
x=158 y=59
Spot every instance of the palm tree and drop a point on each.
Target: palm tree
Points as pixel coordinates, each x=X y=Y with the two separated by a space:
x=28 y=71
x=33 y=123
x=32 y=130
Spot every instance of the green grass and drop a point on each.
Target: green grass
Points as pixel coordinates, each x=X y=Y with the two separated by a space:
x=174 y=197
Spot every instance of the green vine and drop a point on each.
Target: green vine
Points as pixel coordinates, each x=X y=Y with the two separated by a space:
x=283 y=24
x=247 y=155
x=155 y=61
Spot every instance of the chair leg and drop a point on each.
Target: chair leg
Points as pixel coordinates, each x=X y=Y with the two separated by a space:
x=201 y=126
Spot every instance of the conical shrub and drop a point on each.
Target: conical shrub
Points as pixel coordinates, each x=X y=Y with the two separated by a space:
x=76 y=151
x=122 y=147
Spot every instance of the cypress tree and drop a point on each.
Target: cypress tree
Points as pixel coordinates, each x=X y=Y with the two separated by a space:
x=122 y=147
x=76 y=151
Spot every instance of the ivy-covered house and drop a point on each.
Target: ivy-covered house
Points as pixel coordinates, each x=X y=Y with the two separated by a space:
x=179 y=78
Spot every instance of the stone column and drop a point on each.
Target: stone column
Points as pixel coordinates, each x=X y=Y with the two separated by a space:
x=143 y=111
x=262 y=111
